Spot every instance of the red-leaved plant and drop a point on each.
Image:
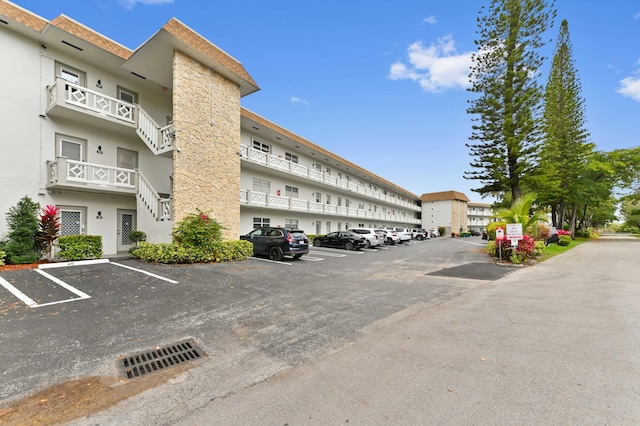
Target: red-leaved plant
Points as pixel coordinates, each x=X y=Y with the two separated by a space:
x=49 y=228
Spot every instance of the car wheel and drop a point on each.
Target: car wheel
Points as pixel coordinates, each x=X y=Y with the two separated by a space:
x=368 y=244
x=275 y=253
x=348 y=245
x=317 y=242
x=297 y=256
x=419 y=238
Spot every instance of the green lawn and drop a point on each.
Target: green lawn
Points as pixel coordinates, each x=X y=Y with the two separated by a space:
x=554 y=249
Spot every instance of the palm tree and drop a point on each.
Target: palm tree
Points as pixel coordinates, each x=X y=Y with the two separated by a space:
x=520 y=212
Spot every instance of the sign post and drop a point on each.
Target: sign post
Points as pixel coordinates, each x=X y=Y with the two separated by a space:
x=500 y=237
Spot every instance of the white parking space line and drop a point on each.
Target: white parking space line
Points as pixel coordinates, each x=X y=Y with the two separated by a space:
x=145 y=272
x=78 y=263
x=329 y=253
x=311 y=259
x=17 y=293
x=279 y=262
x=64 y=285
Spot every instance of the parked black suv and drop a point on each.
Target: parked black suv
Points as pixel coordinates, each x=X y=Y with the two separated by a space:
x=278 y=242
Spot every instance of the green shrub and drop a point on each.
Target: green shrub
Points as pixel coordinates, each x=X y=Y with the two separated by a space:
x=232 y=250
x=2 y=256
x=137 y=236
x=441 y=230
x=22 y=221
x=198 y=230
x=175 y=253
x=79 y=247
x=565 y=240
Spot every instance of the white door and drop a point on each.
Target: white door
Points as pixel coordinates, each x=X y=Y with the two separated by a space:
x=126 y=224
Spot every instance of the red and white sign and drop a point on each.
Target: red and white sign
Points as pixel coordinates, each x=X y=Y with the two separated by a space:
x=499 y=234
x=514 y=231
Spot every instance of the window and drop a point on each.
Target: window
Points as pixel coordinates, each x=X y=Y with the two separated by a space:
x=70 y=147
x=72 y=220
x=70 y=74
x=259 y=222
x=347 y=202
x=328 y=226
x=318 y=196
x=361 y=206
x=127 y=95
x=291 y=157
x=339 y=201
x=260 y=146
x=291 y=223
x=317 y=167
x=127 y=159
x=328 y=171
x=328 y=199
x=291 y=191
x=261 y=185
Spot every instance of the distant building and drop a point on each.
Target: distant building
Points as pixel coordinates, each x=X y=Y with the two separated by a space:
x=446 y=209
x=478 y=216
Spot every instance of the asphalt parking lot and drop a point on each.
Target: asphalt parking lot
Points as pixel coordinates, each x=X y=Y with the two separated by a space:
x=68 y=322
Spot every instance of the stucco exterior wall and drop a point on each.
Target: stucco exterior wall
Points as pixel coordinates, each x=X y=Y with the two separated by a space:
x=206 y=164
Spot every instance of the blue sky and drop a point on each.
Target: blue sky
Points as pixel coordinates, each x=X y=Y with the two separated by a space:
x=382 y=83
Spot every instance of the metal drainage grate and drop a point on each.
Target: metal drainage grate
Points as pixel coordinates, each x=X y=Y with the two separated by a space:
x=158 y=359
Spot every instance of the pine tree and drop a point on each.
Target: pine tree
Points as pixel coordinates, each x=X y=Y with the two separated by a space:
x=22 y=221
x=566 y=151
x=506 y=133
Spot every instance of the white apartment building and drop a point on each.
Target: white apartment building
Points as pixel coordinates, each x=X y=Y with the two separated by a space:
x=123 y=139
x=479 y=216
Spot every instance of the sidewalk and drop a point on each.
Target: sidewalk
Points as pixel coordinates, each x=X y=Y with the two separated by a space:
x=558 y=343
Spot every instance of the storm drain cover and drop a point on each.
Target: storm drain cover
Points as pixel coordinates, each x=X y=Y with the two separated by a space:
x=475 y=271
x=158 y=359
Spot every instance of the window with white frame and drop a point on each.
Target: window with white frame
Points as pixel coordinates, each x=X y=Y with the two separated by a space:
x=72 y=220
x=291 y=157
x=328 y=227
x=328 y=199
x=317 y=167
x=347 y=202
x=291 y=191
x=259 y=222
x=291 y=223
x=261 y=146
x=339 y=201
x=328 y=171
x=318 y=197
x=361 y=206
x=70 y=74
x=70 y=147
x=261 y=185
x=127 y=95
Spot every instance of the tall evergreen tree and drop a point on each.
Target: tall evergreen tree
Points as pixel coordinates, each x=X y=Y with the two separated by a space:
x=506 y=135
x=562 y=180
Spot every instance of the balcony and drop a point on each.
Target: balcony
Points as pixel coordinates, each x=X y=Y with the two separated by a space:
x=76 y=102
x=271 y=201
x=74 y=175
x=278 y=163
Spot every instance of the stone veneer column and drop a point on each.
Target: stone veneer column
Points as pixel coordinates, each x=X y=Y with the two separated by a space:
x=206 y=118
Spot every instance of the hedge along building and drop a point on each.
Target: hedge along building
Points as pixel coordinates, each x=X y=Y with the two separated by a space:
x=124 y=139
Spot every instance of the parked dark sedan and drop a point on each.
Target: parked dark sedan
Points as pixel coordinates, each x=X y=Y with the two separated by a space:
x=276 y=243
x=341 y=239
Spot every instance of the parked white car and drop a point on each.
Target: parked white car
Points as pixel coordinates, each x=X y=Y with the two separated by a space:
x=388 y=236
x=403 y=233
x=370 y=234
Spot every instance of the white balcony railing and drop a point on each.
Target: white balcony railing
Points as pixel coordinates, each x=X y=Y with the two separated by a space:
x=261 y=199
x=158 y=139
x=80 y=176
x=281 y=164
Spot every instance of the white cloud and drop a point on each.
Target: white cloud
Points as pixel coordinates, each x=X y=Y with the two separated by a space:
x=129 y=4
x=630 y=87
x=436 y=67
x=296 y=100
x=430 y=20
